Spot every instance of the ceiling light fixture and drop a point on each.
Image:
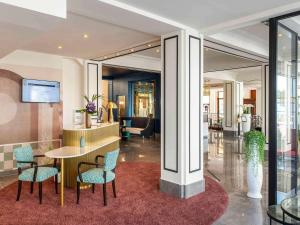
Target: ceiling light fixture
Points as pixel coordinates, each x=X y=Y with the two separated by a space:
x=132 y=50
x=149 y=45
x=59 y=47
x=157 y=50
x=279 y=34
x=85 y=36
x=105 y=57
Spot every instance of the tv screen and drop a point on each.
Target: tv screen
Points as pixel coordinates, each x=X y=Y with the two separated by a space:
x=40 y=91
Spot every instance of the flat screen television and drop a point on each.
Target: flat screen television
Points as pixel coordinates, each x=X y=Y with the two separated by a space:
x=40 y=91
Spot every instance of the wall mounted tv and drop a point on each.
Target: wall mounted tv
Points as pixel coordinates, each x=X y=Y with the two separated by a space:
x=40 y=91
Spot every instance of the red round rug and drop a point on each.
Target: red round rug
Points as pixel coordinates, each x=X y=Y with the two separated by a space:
x=138 y=201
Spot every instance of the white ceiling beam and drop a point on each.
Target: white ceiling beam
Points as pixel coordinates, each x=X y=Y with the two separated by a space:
x=251 y=19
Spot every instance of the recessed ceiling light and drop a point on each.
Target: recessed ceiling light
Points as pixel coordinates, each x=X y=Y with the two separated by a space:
x=149 y=45
x=105 y=57
x=59 y=47
x=132 y=50
x=157 y=50
x=279 y=34
x=85 y=36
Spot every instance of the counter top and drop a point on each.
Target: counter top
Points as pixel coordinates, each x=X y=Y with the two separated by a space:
x=82 y=127
x=73 y=151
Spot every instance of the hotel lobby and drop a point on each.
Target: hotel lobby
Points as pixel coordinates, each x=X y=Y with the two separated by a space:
x=132 y=112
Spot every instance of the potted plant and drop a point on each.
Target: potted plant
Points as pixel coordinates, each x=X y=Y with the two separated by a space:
x=246 y=118
x=90 y=109
x=255 y=149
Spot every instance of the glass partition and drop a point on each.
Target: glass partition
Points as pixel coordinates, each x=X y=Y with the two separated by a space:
x=284 y=109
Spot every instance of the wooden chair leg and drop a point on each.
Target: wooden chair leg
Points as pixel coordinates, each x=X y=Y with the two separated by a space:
x=56 y=185
x=93 y=188
x=31 y=187
x=104 y=193
x=78 y=192
x=19 y=189
x=40 y=191
x=114 y=188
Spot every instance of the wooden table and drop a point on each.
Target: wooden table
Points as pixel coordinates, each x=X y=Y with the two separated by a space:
x=68 y=152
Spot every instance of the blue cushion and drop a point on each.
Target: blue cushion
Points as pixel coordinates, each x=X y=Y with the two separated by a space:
x=95 y=176
x=43 y=173
x=23 y=154
x=127 y=123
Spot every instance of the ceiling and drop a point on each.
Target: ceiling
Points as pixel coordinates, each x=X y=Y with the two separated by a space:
x=213 y=60
x=103 y=38
x=29 y=30
x=138 y=21
x=206 y=13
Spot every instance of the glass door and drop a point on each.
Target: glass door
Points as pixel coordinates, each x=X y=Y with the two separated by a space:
x=284 y=110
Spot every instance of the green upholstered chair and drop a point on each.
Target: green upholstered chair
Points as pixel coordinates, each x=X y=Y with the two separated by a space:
x=101 y=174
x=29 y=170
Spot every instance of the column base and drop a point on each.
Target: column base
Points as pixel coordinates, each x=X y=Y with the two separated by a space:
x=182 y=191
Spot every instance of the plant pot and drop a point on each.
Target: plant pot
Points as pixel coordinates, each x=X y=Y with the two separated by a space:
x=254 y=175
x=246 y=122
x=88 y=120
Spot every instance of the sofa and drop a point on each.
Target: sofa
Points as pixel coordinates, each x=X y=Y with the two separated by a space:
x=141 y=126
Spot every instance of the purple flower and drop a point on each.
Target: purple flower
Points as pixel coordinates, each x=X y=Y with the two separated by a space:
x=90 y=107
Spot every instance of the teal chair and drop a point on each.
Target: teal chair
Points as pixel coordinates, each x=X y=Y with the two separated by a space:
x=29 y=170
x=99 y=175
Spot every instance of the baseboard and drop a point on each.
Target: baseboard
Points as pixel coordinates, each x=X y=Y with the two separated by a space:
x=182 y=191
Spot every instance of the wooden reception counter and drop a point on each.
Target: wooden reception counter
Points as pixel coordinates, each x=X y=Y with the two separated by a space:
x=98 y=140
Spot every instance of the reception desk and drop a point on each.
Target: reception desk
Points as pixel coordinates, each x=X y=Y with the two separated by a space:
x=98 y=140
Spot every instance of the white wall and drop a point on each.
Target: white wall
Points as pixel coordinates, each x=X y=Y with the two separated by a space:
x=73 y=89
x=136 y=61
x=68 y=71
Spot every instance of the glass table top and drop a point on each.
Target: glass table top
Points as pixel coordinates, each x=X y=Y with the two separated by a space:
x=291 y=206
x=275 y=212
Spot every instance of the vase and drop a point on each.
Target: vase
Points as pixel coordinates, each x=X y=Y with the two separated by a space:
x=254 y=174
x=246 y=122
x=111 y=116
x=88 y=120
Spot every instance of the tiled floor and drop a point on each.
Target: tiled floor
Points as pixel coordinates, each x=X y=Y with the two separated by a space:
x=224 y=162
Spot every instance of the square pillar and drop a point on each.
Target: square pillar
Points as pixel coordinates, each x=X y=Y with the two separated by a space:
x=233 y=106
x=182 y=119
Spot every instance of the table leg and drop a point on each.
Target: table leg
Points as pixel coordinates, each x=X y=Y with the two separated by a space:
x=62 y=181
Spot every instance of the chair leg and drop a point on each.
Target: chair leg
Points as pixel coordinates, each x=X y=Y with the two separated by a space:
x=19 y=189
x=78 y=192
x=93 y=188
x=31 y=187
x=40 y=191
x=104 y=193
x=114 y=188
x=56 y=185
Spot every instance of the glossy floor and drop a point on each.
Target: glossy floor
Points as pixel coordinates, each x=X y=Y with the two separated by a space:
x=224 y=161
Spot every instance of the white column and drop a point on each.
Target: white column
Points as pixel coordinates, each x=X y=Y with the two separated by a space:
x=93 y=79
x=182 y=136
x=233 y=103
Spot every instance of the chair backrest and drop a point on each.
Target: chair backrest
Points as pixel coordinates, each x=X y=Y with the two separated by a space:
x=23 y=154
x=110 y=160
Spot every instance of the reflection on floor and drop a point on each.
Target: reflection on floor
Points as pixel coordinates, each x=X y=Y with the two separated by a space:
x=224 y=162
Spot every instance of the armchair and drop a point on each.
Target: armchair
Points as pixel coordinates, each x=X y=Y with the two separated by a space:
x=35 y=173
x=101 y=174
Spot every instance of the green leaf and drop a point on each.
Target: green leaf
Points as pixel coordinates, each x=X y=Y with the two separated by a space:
x=251 y=138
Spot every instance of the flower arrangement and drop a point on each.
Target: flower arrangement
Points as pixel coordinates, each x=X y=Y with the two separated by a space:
x=90 y=107
x=247 y=108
